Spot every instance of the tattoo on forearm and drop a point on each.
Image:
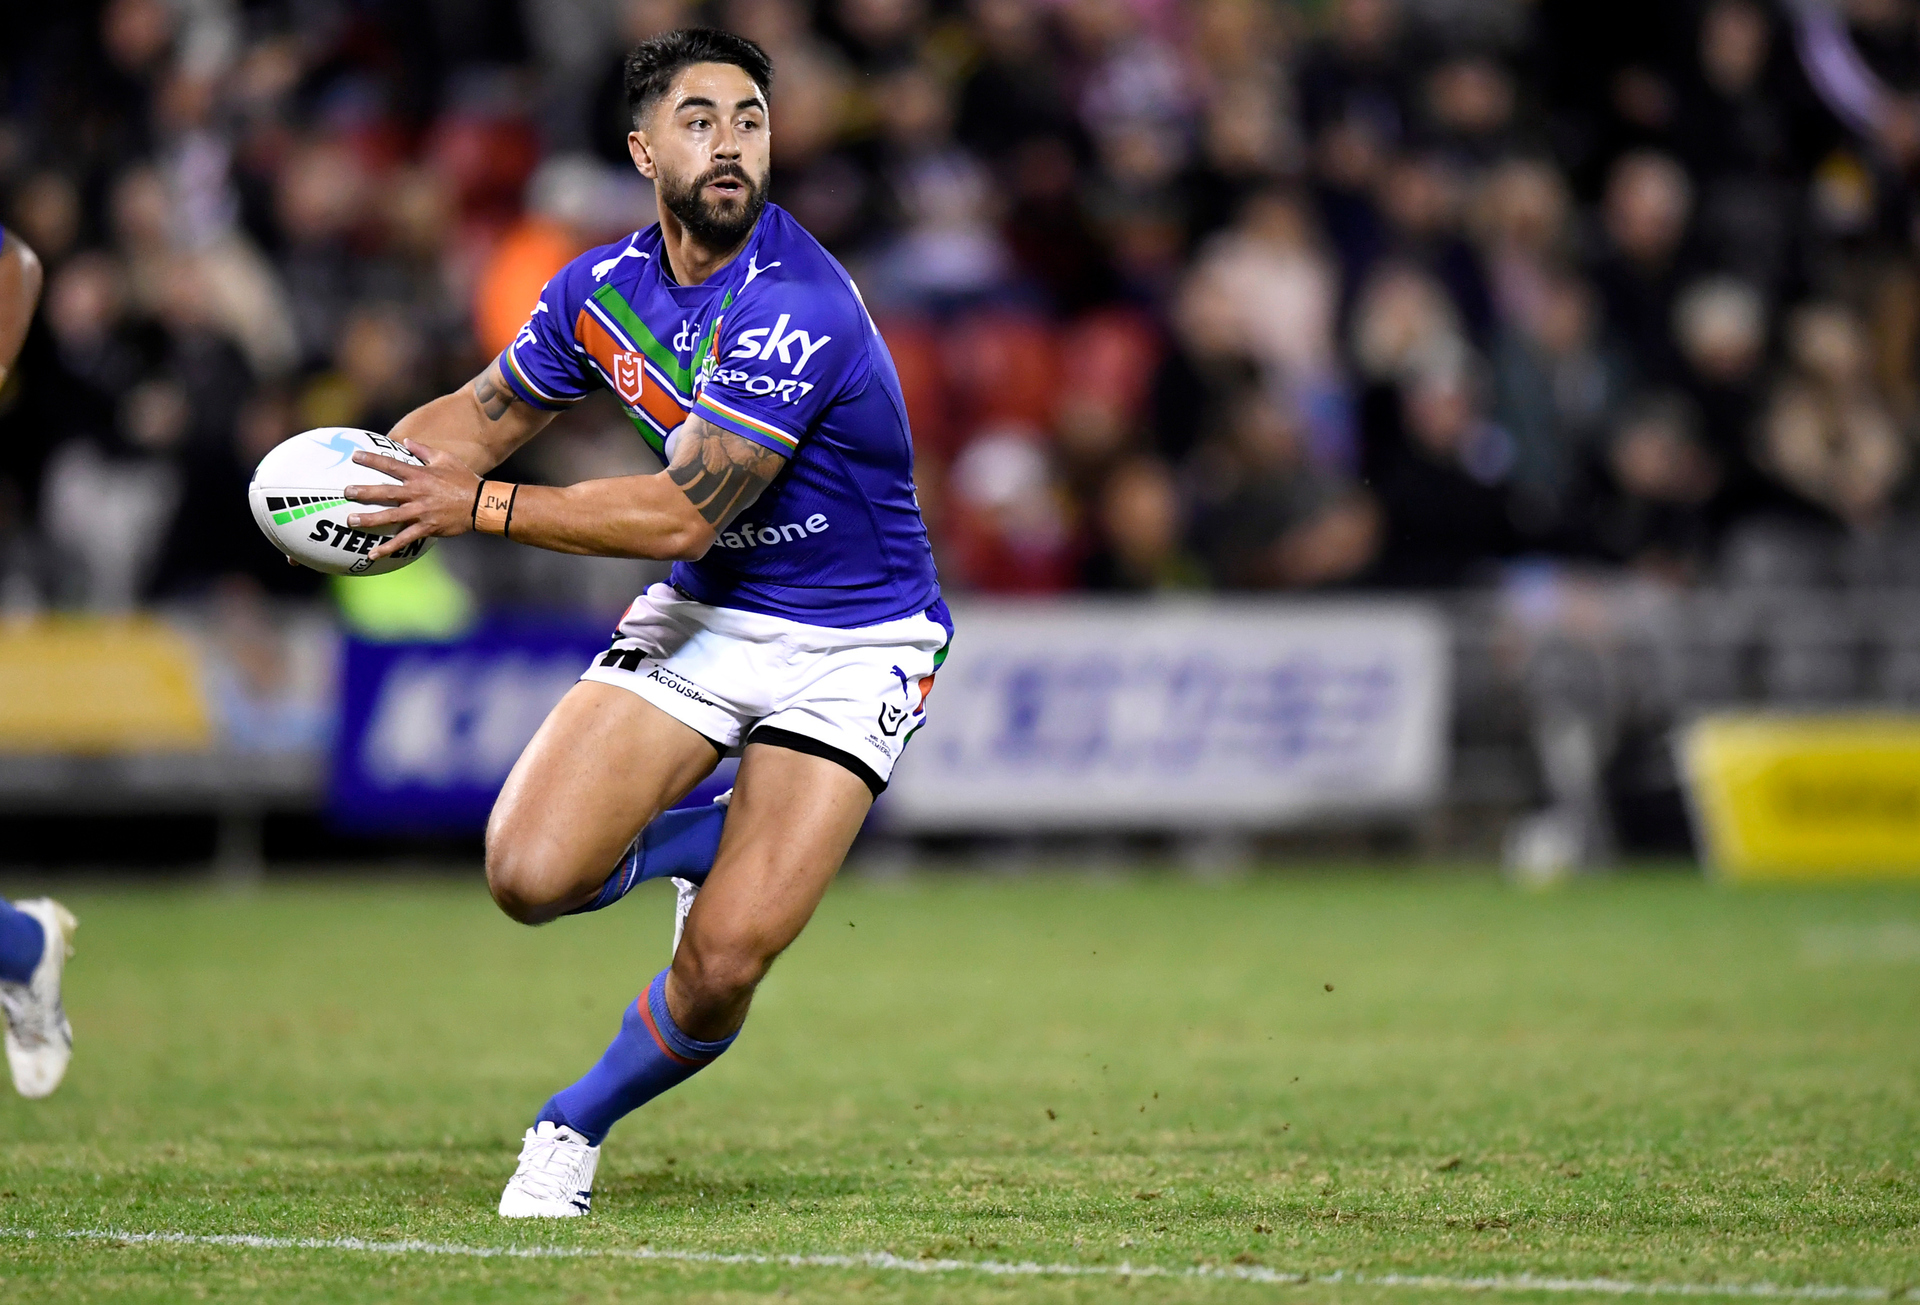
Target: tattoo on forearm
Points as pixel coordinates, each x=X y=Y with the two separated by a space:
x=494 y=399
x=713 y=493
x=720 y=473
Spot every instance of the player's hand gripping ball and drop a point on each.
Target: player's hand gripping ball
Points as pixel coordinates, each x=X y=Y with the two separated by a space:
x=297 y=501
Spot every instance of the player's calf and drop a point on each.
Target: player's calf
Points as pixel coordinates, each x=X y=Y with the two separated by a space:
x=712 y=981
x=651 y=1053
x=680 y=844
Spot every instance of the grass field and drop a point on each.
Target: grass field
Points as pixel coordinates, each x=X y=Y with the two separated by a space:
x=1647 y=1080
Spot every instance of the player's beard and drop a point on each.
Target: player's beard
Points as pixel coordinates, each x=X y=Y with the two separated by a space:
x=711 y=224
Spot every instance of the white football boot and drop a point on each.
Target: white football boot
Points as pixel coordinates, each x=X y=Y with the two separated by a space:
x=555 y=1176
x=686 y=890
x=39 y=1039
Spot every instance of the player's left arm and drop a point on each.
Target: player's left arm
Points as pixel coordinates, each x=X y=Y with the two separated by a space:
x=20 y=278
x=674 y=514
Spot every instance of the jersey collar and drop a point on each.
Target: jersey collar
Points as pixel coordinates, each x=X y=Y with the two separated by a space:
x=738 y=272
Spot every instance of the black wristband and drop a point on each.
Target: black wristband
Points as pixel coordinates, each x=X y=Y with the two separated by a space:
x=473 y=513
x=506 y=527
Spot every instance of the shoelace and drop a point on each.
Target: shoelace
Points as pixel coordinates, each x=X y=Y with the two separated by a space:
x=547 y=1170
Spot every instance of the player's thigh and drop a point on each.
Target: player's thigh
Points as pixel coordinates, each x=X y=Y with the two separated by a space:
x=603 y=764
x=792 y=819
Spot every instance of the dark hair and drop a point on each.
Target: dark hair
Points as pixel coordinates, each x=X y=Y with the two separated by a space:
x=655 y=62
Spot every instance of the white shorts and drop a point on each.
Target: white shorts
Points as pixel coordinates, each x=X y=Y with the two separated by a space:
x=852 y=696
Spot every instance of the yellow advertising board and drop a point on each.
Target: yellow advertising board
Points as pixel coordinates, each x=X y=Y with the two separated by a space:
x=99 y=685
x=1815 y=797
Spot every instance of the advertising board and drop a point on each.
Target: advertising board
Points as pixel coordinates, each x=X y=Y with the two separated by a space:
x=1171 y=714
x=428 y=730
x=1827 y=796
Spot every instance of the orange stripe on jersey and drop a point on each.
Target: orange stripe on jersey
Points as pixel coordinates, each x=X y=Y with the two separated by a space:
x=632 y=382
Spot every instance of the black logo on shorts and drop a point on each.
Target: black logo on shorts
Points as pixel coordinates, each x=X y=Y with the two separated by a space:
x=624 y=659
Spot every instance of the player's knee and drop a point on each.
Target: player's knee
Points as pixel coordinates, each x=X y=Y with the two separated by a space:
x=719 y=972
x=511 y=896
x=514 y=879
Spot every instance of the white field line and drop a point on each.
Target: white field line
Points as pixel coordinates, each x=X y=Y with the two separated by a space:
x=882 y=1260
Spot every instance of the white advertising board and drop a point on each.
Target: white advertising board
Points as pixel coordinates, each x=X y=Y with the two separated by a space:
x=1077 y=714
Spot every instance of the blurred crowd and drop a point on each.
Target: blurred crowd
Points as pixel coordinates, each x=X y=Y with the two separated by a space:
x=1214 y=294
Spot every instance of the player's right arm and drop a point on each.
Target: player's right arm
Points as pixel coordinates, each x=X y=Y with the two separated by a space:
x=19 y=291
x=480 y=424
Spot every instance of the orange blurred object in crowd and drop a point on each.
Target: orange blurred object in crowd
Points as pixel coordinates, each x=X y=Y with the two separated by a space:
x=514 y=275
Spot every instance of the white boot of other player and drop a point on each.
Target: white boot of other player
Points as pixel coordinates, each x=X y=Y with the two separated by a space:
x=555 y=1176
x=39 y=1039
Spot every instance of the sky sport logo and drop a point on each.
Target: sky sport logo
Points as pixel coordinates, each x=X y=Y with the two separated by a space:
x=788 y=389
x=778 y=340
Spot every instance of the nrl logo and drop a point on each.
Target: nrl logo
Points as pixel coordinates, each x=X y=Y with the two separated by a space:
x=627 y=377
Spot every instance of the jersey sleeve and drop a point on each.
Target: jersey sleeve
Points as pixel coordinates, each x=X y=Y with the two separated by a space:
x=781 y=356
x=544 y=365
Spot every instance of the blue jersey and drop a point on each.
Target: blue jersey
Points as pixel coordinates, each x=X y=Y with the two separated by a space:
x=777 y=348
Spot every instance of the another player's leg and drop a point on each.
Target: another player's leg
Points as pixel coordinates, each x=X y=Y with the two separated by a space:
x=36 y=937
x=792 y=819
x=603 y=768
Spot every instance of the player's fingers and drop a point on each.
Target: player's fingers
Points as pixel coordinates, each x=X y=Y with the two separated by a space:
x=418 y=530
x=426 y=452
x=381 y=462
x=376 y=493
x=391 y=517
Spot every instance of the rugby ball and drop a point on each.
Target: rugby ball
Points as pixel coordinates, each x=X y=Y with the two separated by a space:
x=296 y=501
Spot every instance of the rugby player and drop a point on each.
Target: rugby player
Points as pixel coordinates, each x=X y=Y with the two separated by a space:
x=802 y=624
x=35 y=935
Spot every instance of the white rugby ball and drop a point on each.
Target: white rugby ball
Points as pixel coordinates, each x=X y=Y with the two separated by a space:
x=296 y=502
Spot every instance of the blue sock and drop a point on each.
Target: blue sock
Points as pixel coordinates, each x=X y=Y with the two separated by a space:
x=650 y=1055
x=22 y=943
x=680 y=843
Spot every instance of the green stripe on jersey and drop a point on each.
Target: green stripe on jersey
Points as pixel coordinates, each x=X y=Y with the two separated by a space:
x=622 y=312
